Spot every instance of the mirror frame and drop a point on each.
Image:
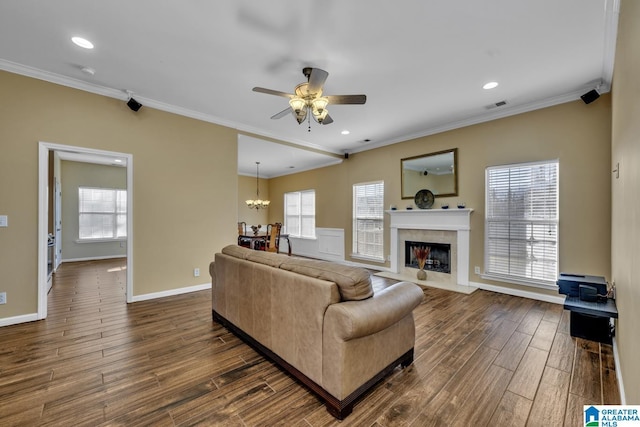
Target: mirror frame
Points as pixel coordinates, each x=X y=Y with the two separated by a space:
x=455 y=172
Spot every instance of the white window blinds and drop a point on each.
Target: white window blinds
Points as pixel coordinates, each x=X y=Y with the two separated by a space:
x=368 y=220
x=300 y=213
x=521 y=225
x=102 y=213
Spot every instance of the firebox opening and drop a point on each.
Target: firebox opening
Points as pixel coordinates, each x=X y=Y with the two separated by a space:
x=439 y=259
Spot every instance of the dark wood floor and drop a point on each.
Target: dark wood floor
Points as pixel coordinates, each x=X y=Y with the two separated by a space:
x=484 y=359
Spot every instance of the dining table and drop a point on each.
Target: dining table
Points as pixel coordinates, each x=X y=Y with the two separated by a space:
x=254 y=238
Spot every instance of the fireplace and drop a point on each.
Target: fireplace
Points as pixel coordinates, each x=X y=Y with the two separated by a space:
x=439 y=259
x=440 y=226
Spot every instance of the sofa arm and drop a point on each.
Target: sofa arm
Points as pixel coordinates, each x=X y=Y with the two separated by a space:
x=354 y=319
x=212 y=269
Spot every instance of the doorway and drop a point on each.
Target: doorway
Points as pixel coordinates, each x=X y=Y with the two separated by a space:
x=43 y=215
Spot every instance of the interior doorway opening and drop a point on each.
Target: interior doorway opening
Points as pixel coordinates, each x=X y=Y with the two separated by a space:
x=46 y=196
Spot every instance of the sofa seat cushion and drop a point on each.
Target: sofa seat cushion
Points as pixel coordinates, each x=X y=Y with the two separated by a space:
x=354 y=283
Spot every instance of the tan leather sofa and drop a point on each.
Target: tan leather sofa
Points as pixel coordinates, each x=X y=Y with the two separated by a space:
x=321 y=321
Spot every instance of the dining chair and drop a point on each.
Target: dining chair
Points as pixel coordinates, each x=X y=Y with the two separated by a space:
x=242 y=231
x=273 y=239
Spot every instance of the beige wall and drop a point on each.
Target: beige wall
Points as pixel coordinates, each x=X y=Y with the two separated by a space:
x=576 y=134
x=625 y=206
x=74 y=175
x=181 y=171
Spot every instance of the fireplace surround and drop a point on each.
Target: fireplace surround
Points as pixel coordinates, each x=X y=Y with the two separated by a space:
x=443 y=226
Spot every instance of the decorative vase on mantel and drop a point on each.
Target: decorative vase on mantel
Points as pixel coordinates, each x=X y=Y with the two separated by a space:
x=421 y=253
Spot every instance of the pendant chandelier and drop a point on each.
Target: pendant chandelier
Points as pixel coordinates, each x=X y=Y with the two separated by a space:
x=257 y=203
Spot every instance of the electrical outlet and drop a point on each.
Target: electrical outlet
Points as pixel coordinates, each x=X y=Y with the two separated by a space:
x=196 y=272
x=476 y=269
x=3 y=297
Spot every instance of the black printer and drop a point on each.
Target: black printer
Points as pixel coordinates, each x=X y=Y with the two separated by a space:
x=586 y=287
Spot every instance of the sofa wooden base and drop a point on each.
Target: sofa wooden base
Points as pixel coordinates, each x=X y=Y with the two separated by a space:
x=338 y=408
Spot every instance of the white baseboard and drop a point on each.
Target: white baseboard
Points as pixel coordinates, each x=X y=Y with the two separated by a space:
x=171 y=292
x=616 y=359
x=24 y=318
x=34 y=316
x=519 y=293
x=97 y=258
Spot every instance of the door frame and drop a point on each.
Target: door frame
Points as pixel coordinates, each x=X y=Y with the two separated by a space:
x=57 y=222
x=43 y=207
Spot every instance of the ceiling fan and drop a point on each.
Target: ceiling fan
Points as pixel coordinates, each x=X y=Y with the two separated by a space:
x=308 y=100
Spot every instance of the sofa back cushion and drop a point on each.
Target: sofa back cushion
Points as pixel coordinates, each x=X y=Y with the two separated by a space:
x=354 y=283
x=261 y=257
x=237 y=251
x=268 y=258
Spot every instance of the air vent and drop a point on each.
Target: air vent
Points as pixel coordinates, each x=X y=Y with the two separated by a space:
x=496 y=105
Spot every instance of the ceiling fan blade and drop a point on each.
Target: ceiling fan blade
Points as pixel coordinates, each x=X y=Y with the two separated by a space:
x=327 y=120
x=317 y=79
x=347 y=99
x=273 y=92
x=281 y=114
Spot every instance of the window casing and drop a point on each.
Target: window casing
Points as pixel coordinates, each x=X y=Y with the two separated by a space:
x=521 y=223
x=368 y=220
x=300 y=214
x=102 y=214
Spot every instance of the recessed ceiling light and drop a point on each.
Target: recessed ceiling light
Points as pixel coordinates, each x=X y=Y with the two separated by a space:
x=490 y=85
x=345 y=132
x=82 y=42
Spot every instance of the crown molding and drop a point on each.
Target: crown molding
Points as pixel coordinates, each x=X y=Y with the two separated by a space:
x=123 y=95
x=495 y=114
x=612 y=12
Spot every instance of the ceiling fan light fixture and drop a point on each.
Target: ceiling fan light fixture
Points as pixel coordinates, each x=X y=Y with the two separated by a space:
x=307 y=99
x=301 y=115
x=319 y=104
x=297 y=105
x=319 y=117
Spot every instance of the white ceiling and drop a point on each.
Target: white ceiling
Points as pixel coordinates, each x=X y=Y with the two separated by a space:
x=421 y=64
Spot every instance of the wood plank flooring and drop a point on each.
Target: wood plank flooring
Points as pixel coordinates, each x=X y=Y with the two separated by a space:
x=483 y=359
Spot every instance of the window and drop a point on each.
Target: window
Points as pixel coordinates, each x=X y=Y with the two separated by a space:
x=368 y=220
x=300 y=214
x=521 y=225
x=102 y=213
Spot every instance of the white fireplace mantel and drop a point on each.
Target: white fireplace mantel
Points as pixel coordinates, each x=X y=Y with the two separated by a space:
x=458 y=220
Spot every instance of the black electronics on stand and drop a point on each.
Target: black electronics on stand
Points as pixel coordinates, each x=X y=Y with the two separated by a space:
x=590 y=308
